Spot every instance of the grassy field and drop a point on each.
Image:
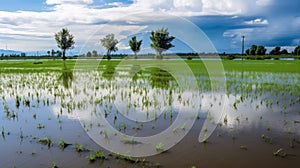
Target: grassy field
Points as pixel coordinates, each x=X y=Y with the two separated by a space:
x=23 y=66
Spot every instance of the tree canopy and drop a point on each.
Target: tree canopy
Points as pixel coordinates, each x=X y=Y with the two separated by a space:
x=256 y=50
x=161 y=41
x=110 y=43
x=135 y=45
x=276 y=51
x=297 y=50
x=65 y=41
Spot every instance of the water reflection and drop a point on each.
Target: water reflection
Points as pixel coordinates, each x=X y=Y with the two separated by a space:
x=135 y=72
x=109 y=72
x=160 y=78
x=66 y=76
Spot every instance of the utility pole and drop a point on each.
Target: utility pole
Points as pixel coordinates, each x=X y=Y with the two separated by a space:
x=243 y=45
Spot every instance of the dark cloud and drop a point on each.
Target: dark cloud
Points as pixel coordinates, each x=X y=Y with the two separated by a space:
x=282 y=28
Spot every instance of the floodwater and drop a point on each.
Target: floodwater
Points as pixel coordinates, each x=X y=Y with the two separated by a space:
x=257 y=126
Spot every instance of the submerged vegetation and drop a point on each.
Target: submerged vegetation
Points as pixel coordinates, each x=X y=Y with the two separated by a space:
x=38 y=101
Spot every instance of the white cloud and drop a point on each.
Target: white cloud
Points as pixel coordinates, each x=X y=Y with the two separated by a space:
x=263 y=2
x=55 y=2
x=258 y=21
x=83 y=19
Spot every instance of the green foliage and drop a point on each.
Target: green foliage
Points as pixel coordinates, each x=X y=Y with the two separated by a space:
x=161 y=41
x=256 y=50
x=261 y=50
x=46 y=141
x=65 y=41
x=159 y=146
x=2 y=131
x=135 y=45
x=63 y=144
x=297 y=50
x=79 y=148
x=54 y=165
x=40 y=126
x=110 y=43
x=275 y=51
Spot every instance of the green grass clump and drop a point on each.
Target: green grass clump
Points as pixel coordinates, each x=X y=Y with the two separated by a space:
x=40 y=126
x=79 y=148
x=280 y=153
x=54 y=165
x=46 y=141
x=62 y=144
x=266 y=139
x=159 y=146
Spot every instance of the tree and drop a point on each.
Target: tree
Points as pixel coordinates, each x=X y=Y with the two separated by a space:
x=135 y=45
x=284 y=52
x=253 y=50
x=53 y=53
x=94 y=53
x=248 y=51
x=88 y=54
x=275 y=51
x=161 y=41
x=58 y=53
x=65 y=41
x=48 y=52
x=110 y=43
x=297 y=50
x=261 y=50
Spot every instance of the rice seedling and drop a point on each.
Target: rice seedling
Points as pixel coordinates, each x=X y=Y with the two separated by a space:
x=79 y=148
x=34 y=115
x=99 y=155
x=92 y=158
x=21 y=134
x=159 y=146
x=266 y=139
x=62 y=144
x=40 y=126
x=292 y=142
x=54 y=165
x=280 y=153
x=225 y=120
x=244 y=147
x=46 y=141
x=289 y=131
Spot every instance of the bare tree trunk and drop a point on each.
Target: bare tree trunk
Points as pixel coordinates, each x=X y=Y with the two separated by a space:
x=135 y=55
x=64 y=54
x=160 y=55
x=108 y=55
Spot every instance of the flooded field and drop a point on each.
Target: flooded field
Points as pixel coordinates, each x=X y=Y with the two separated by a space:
x=52 y=116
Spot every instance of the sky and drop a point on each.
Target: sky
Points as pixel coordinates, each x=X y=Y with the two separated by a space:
x=198 y=25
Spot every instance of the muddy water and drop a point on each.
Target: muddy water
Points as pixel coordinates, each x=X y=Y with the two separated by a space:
x=261 y=116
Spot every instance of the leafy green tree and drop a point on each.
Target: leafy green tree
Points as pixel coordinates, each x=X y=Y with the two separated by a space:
x=65 y=41
x=53 y=53
x=135 y=45
x=48 y=52
x=275 y=51
x=88 y=54
x=110 y=43
x=284 y=52
x=94 y=53
x=261 y=50
x=248 y=51
x=253 y=50
x=161 y=41
x=297 y=50
x=58 y=53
